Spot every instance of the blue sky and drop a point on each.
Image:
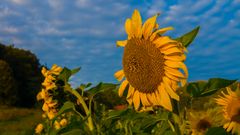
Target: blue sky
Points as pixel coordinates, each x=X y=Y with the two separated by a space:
x=83 y=33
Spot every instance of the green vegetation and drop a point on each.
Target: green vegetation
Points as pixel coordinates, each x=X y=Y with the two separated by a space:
x=18 y=121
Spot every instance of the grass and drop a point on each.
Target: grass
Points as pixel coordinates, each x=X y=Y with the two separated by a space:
x=18 y=121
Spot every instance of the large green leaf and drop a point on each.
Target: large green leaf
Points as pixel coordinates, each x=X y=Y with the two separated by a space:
x=195 y=88
x=66 y=106
x=101 y=87
x=188 y=38
x=203 y=88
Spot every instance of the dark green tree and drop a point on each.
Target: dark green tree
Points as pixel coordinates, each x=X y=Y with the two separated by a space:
x=8 y=85
x=26 y=71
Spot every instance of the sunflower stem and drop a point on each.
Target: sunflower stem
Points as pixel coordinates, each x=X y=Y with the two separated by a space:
x=79 y=97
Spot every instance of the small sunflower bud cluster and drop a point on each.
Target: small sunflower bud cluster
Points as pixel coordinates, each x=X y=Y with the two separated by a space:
x=49 y=106
x=46 y=94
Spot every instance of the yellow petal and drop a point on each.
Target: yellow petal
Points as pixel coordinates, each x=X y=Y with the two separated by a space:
x=171 y=50
x=45 y=107
x=168 y=89
x=174 y=64
x=183 y=82
x=128 y=28
x=154 y=99
x=148 y=27
x=49 y=87
x=130 y=91
x=136 y=100
x=129 y=100
x=160 y=31
x=226 y=125
x=158 y=97
x=54 y=66
x=172 y=77
x=164 y=97
x=122 y=88
x=137 y=24
x=163 y=30
x=119 y=75
x=230 y=127
x=175 y=58
x=44 y=71
x=52 y=104
x=121 y=43
x=56 y=69
x=174 y=71
x=168 y=46
x=161 y=41
x=144 y=99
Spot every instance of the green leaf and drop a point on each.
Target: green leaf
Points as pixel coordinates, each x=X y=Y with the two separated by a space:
x=214 y=84
x=117 y=113
x=74 y=71
x=195 y=88
x=202 y=88
x=84 y=86
x=188 y=38
x=65 y=74
x=66 y=106
x=101 y=87
x=217 y=131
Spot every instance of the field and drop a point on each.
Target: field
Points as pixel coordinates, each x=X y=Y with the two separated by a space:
x=18 y=121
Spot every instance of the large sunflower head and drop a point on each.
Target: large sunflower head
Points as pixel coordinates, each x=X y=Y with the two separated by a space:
x=231 y=110
x=151 y=64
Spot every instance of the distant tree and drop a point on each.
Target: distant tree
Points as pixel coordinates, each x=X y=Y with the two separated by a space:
x=8 y=85
x=26 y=71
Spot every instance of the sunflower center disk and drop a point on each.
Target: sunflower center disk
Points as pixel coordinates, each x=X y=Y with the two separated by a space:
x=143 y=65
x=203 y=125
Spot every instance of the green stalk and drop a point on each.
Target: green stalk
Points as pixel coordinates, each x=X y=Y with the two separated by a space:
x=88 y=113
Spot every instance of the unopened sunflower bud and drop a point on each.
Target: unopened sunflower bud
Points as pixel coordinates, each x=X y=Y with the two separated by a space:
x=63 y=122
x=44 y=115
x=39 y=129
x=57 y=125
x=51 y=115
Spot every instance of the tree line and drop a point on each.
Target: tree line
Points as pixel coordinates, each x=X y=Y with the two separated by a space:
x=20 y=76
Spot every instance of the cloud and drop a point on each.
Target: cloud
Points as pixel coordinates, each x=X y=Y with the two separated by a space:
x=19 y=2
x=83 y=33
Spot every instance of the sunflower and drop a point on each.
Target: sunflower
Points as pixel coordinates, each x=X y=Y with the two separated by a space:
x=201 y=121
x=231 y=110
x=151 y=64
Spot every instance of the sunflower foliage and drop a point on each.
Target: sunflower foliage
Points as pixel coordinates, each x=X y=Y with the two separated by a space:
x=110 y=113
x=202 y=107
